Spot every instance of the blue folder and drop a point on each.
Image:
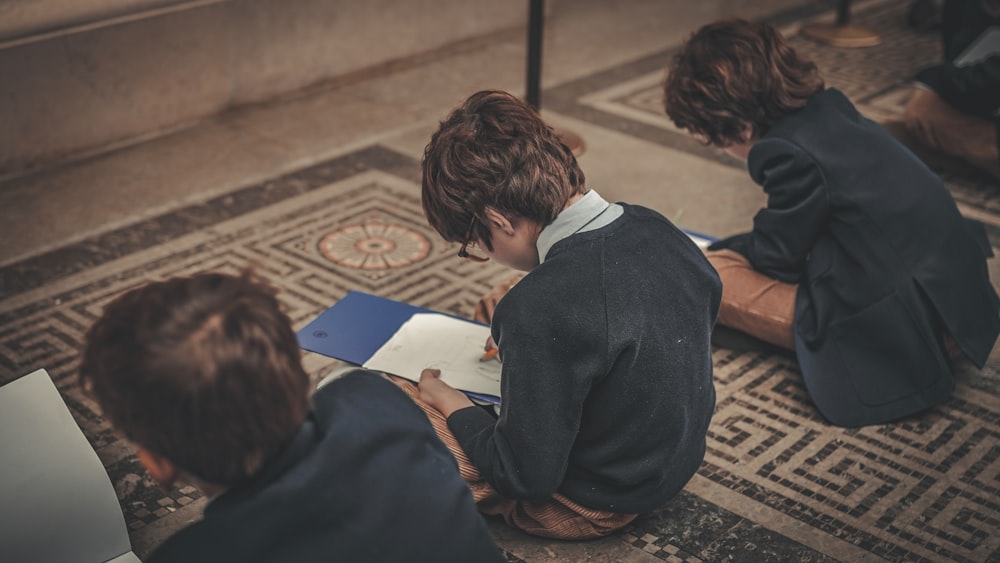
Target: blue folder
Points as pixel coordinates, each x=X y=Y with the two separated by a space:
x=355 y=327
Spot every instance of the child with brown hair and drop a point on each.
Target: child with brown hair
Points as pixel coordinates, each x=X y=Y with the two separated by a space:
x=607 y=371
x=203 y=375
x=860 y=262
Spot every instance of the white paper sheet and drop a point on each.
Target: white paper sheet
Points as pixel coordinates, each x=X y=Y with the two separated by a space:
x=701 y=242
x=454 y=346
x=56 y=500
x=983 y=47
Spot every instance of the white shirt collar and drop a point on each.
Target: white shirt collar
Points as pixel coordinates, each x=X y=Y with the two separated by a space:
x=588 y=213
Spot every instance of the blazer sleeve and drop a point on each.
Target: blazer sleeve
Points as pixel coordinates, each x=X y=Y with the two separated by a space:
x=798 y=208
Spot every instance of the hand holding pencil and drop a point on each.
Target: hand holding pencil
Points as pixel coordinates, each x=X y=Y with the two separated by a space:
x=492 y=352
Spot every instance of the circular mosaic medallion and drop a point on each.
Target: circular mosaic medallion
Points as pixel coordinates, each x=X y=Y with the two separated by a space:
x=374 y=246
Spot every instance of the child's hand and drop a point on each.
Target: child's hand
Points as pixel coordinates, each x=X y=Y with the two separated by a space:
x=438 y=394
x=492 y=353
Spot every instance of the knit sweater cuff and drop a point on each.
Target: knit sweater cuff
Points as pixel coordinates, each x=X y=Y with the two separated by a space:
x=468 y=423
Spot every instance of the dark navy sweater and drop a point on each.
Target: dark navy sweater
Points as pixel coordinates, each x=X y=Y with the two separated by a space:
x=607 y=370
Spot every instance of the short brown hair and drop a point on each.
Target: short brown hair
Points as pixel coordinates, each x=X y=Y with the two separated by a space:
x=733 y=79
x=202 y=370
x=495 y=151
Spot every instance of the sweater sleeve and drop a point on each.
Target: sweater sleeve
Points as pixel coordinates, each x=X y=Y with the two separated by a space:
x=551 y=355
x=798 y=207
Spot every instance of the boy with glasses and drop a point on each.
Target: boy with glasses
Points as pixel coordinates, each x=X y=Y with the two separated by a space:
x=605 y=342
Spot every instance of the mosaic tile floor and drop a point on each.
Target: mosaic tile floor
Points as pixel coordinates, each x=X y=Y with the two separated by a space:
x=778 y=483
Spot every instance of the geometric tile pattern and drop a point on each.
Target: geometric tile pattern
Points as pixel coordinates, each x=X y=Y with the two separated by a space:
x=661 y=547
x=924 y=488
x=692 y=529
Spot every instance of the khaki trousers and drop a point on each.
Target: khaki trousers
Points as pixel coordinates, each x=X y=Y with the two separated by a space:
x=939 y=126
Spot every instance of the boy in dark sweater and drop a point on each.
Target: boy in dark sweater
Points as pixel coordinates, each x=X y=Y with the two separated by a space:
x=607 y=370
x=203 y=375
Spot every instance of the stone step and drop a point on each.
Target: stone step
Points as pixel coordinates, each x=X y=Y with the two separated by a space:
x=81 y=78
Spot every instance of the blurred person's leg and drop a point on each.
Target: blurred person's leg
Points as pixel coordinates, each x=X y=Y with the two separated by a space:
x=937 y=125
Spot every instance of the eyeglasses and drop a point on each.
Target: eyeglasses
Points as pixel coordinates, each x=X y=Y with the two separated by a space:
x=476 y=254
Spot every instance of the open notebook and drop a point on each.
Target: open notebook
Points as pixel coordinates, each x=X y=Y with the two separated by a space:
x=398 y=338
x=56 y=501
x=454 y=346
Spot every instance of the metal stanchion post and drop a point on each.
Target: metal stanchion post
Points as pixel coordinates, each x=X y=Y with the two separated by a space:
x=536 y=20
x=536 y=15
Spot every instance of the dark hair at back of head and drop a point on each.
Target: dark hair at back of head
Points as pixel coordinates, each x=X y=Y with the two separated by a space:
x=733 y=79
x=203 y=370
x=495 y=151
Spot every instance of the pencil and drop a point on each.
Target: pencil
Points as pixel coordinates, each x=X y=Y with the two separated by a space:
x=490 y=354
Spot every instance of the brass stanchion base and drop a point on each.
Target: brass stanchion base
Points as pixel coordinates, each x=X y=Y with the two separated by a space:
x=575 y=142
x=842 y=35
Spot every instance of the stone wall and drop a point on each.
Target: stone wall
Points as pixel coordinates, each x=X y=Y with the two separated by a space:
x=78 y=78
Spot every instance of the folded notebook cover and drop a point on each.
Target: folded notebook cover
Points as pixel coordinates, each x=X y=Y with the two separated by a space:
x=358 y=325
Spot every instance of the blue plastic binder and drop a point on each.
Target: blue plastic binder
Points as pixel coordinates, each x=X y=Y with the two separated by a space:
x=356 y=326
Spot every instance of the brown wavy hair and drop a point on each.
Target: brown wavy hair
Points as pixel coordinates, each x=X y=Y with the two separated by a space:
x=202 y=370
x=495 y=151
x=733 y=79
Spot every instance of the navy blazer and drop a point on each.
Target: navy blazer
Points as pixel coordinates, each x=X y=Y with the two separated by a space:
x=365 y=479
x=883 y=260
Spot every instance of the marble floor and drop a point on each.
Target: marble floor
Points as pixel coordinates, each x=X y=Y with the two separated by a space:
x=273 y=184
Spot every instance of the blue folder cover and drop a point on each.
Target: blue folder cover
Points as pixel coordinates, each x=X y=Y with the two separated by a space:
x=355 y=327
